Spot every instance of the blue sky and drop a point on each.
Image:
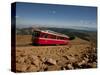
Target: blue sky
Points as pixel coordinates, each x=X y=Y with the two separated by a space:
x=56 y=15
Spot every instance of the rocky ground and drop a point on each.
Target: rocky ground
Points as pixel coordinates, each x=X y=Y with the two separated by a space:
x=79 y=54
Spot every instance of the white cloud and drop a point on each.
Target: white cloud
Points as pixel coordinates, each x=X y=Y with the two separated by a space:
x=17 y=16
x=53 y=11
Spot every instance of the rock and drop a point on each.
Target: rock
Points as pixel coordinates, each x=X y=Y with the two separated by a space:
x=82 y=63
x=35 y=60
x=20 y=60
x=69 y=66
x=94 y=48
x=86 y=59
x=75 y=65
x=43 y=59
x=92 y=65
x=51 y=61
x=63 y=68
x=76 y=55
x=53 y=68
x=34 y=57
x=71 y=59
x=22 y=54
x=87 y=56
x=27 y=61
x=32 y=68
x=66 y=57
x=43 y=67
x=21 y=67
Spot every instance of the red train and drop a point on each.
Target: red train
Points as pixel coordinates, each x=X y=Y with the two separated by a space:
x=47 y=37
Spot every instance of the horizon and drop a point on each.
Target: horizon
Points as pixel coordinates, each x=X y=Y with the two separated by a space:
x=73 y=28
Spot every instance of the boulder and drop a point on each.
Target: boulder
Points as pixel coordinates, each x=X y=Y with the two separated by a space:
x=69 y=66
x=34 y=60
x=20 y=59
x=71 y=58
x=21 y=67
x=51 y=61
x=83 y=62
x=63 y=68
x=43 y=59
x=32 y=68
x=92 y=65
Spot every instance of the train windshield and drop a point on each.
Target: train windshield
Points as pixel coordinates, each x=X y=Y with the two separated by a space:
x=35 y=34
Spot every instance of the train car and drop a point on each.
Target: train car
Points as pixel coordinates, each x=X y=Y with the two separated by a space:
x=47 y=37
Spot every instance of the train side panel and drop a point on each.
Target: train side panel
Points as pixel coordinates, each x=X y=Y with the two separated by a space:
x=51 y=41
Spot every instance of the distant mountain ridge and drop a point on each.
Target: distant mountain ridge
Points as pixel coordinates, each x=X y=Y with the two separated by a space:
x=45 y=26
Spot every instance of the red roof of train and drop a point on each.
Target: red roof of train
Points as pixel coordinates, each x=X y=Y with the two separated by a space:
x=52 y=32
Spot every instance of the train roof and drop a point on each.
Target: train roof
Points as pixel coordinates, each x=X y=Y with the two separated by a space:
x=53 y=32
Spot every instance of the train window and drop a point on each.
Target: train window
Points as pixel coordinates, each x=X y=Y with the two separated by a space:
x=46 y=35
x=42 y=35
x=38 y=34
x=57 y=37
x=50 y=36
x=32 y=34
x=35 y=34
x=53 y=37
x=62 y=38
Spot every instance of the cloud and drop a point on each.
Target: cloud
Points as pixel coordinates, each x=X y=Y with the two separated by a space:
x=85 y=22
x=88 y=23
x=17 y=16
x=53 y=11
